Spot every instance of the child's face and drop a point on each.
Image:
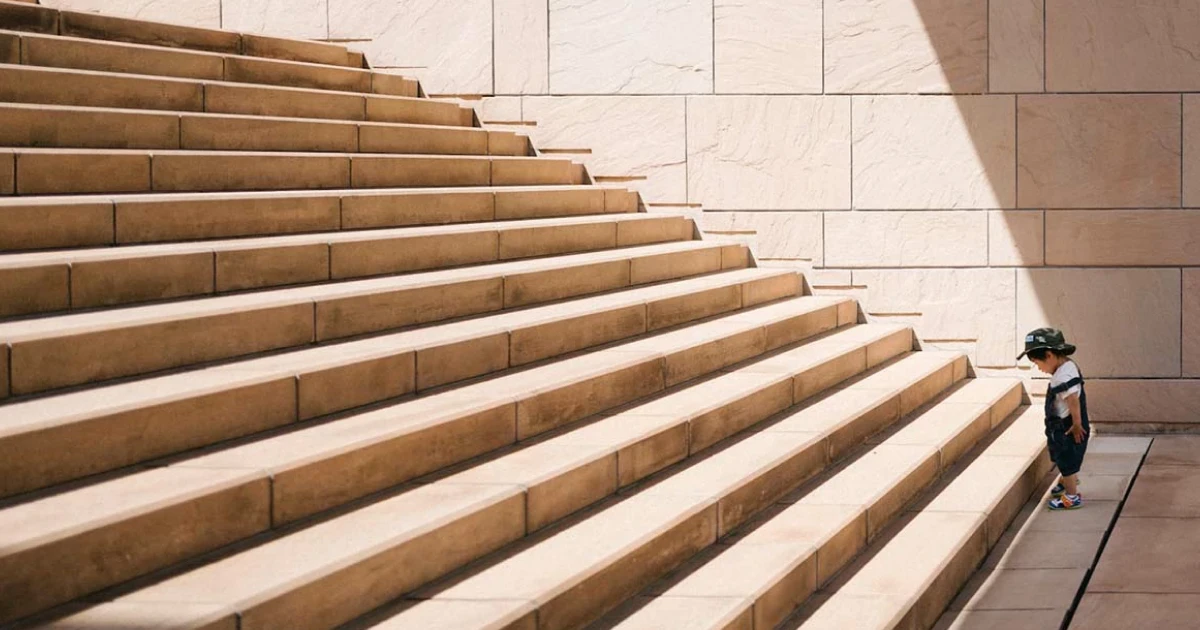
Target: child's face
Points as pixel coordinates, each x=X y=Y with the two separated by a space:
x=1048 y=364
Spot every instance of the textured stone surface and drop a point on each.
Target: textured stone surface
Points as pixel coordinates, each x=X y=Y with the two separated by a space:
x=1123 y=237
x=628 y=136
x=447 y=45
x=1165 y=491
x=1121 y=611
x=1110 y=151
x=1156 y=405
x=601 y=47
x=906 y=239
x=919 y=152
x=205 y=13
x=1016 y=238
x=306 y=19
x=522 y=47
x=1143 y=555
x=1117 y=334
x=776 y=235
x=949 y=304
x=767 y=46
x=1191 y=322
x=937 y=46
x=1113 y=46
x=1016 y=58
x=769 y=153
x=1191 y=150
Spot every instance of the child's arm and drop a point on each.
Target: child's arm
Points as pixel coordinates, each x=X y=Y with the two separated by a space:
x=1076 y=431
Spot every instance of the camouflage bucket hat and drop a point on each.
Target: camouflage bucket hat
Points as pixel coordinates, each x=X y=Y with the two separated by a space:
x=1049 y=339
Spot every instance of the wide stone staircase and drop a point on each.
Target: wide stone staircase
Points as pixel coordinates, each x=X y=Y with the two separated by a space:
x=287 y=345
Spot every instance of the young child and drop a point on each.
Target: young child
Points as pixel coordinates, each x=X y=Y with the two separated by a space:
x=1067 y=426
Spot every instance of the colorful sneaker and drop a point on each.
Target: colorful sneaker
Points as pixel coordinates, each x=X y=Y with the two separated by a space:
x=1058 y=491
x=1066 y=502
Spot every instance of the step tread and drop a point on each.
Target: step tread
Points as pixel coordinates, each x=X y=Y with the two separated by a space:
x=79 y=323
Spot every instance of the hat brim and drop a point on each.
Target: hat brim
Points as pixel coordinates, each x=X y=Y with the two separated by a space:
x=1065 y=349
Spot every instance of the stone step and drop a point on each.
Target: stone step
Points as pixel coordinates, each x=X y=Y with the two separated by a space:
x=350 y=451
x=83 y=171
x=375 y=572
x=761 y=575
x=54 y=126
x=39 y=19
x=576 y=574
x=913 y=575
x=56 y=222
x=173 y=413
x=52 y=352
x=77 y=53
x=45 y=282
x=84 y=88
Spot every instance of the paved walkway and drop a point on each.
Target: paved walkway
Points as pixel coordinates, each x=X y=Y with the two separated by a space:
x=1149 y=575
x=1031 y=578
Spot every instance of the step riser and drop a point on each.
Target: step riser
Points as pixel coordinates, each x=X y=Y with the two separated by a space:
x=200 y=420
x=80 y=173
x=102 y=129
x=31 y=85
x=80 y=284
x=39 y=19
x=98 y=56
x=50 y=223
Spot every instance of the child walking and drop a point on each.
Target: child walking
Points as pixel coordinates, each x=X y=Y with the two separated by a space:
x=1067 y=426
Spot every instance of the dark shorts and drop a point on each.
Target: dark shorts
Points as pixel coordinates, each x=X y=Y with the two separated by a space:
x=1064 y=452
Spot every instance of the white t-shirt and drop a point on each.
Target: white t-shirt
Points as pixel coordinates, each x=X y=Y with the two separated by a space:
x=1064 y=373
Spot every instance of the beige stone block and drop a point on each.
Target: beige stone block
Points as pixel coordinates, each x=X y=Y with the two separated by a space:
x=394 y=84
x=658 y=230
x=231 y=505
x=232 y=171
x=8 y=173
x=618 y=200
x=417 y=112
x=301 y=20
x=648 y=456
x=10 y=48
x=63 y=87
x=140 y=279
x=767 y=47
x=1016 y=59
x=769 y=290
x=508 y=143
x=29 y=17
x=1020 y=589
x=522 y=47
x=178 y=218
x=556 y=284
x=300 y=50
x=56 y=361
x=253 y=100
x=1116 y=238
x=788 y=236
x=375 y=210
x=66 y=171
x=659 y=48
x=374 y=312
x=711 y=355
x=45 y=127
x=139 y=31
x=906 y=239
x=1114 y=611
x=935 y=46
x=928 y=152
x=1147 y=405
x=452 y=362
x=1191 y=322
x=163 y=428
x=556 y=239
x=949 y=304
x=554 y=408
x=676 y=310
x=85 y=54
x=554 y=338
x=225 y=133
x=1106 y=151
x=1017 y=238
x=356 y=259
x=1089 y=305
x=628 y=136
x=152 y=615
x=272 y=266
x=1191 y=150
x=451 y=44
x=243 y=69
x=521 y=204
x=1088 y=46
x=354 y=384
x=769 y=152
x=670 y=266
x=203 y=13
x=398 y=172
x=38 y=289
x=427 y=141
x=757 y=405
x=54 y=223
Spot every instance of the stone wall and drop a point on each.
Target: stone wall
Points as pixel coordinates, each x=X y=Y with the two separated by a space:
x=977 y=168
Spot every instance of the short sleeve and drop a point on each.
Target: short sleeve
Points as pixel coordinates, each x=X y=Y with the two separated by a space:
x=1068 y=372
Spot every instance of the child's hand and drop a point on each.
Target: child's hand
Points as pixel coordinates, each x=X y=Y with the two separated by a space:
x=1076 y=431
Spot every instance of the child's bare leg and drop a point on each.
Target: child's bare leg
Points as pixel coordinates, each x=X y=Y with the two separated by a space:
x=1071 y=484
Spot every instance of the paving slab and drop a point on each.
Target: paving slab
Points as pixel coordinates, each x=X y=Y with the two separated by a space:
x=1176 y=450
x=1166 y=491
x=1150 y=555
x=1002 y=620
x=1122 y=611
